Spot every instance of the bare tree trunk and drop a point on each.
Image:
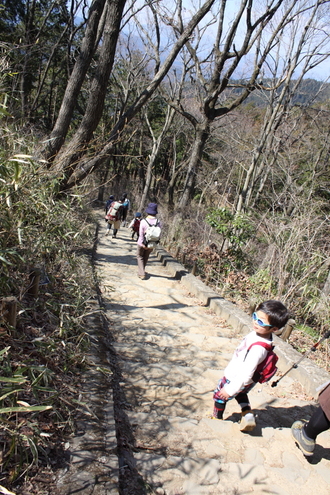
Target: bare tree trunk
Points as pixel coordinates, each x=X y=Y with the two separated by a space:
x=46 y=72
x=87 y=50
x=104 y=178
x=95 y=104
x=155 y=152
x=174 y=176
x=202 y=134
x=221 y=69
x=272 y=121
x=25 y=83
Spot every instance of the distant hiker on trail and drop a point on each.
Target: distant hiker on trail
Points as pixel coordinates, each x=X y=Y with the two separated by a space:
x=145 y=242
x=135 y=225
x=304 y=432
x=247 y=365
x=114 y=216
x=108 y=203
x=106 y=209
x=126 y=206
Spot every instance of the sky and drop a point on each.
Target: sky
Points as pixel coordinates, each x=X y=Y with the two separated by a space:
x=322 y=30
x=321 y=72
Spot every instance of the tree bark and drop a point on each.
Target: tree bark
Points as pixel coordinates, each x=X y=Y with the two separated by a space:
x=87 y=50
x=202 y=134
x=67 y=160
x=155 y=152
x=265 y=145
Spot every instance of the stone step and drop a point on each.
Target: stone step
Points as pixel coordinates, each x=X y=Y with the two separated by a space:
x=184 y=475
x=187 y=355
x=213 y=455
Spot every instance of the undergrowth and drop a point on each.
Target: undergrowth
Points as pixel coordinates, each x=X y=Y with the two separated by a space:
x=247 y=262
x=43 y=351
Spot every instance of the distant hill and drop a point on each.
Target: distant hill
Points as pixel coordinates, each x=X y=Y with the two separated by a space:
x=309 y=92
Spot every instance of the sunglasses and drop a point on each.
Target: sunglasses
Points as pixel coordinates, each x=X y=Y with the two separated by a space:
x=260 y=322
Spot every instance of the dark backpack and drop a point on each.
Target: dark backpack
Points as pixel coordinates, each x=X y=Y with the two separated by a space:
x=107 y=205
x=267 y=368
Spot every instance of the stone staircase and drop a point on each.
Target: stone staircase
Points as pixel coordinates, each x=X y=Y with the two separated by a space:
x=167 y=380
x=170 y=351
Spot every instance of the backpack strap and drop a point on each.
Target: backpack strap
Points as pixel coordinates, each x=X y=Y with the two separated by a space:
x=152 y=224
x=269 y=347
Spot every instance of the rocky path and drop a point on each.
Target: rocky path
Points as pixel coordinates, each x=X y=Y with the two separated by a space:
x=168 y=351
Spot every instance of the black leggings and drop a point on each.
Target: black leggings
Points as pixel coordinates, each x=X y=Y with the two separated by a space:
x=318 y=423
x=243 y=401
x=124 y=214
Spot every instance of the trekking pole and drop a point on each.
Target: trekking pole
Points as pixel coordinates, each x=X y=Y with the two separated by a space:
x=295 y=365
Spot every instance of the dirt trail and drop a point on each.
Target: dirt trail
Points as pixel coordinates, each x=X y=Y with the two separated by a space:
x=167 y=351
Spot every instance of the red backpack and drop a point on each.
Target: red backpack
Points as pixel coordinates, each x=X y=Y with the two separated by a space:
x=267 y=368
x=136 y=225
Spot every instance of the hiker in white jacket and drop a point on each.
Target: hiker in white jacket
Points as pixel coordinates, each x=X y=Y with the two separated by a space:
x=240 y=374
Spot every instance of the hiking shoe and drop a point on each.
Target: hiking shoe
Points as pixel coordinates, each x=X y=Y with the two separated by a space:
x=305 y=443
x=248 y=421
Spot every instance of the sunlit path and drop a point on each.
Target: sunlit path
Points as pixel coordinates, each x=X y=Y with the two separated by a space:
x=169 y=352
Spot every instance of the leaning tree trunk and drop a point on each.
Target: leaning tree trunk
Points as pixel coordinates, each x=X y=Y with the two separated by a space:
x=87 y=50
x=67 y=160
